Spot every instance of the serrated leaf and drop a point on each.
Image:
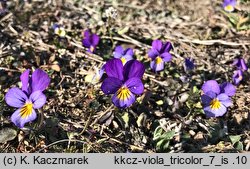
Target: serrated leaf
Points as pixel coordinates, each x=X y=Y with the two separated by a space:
x=7 y=134
x=234 y=139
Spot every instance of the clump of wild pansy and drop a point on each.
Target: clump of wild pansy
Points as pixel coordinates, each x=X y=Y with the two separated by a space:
x=159 y=54
x=241 y=66
x=90 y=41
x=239 y=20
x=124 y=54
x=29 y=98
x=217 y=98
x=59 y=30
x=123 y=81
x=229 y=5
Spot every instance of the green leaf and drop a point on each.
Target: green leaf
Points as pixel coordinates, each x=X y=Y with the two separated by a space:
x=235 y=139
x=162 y=145
x=233 y=20
x=125 y=118
x=162 y=138
x=123 y=30
x=168 y=135
x=157 y=133
x=159 y=145
x=176 y=75
x=244 y=27
x=239 y=146
x=188 y=105
x=195 y=89
x=216 y=132
x=166 y=145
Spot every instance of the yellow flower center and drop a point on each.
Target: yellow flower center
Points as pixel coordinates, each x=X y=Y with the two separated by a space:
x=60 y=31
x=158 y=60
x=26 y=110
x=123 y=60
x=123 y=93
x=215 y=104
x=229 y=8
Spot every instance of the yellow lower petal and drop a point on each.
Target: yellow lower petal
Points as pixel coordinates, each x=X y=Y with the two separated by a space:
x=215 y=104
x=123 y=93
x=229 y=8
x=26 y=110
x=158 y=60
x=123 y=60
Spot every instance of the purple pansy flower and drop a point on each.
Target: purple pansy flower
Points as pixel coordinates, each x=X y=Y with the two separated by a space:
x=240 y=64
x=124 y=55
x=90 y=41
x=216 y=98
x=229 y=5
x=188 y=64
x=123 y=81
x=237 y=76
x=59 y=30
x=28 y=99
x=159 y=53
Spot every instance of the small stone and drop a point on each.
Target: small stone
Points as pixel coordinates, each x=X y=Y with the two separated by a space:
x=238 y=118
x=199 y=136
x=159 y=113
x=191 y=132
x=7 y=134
